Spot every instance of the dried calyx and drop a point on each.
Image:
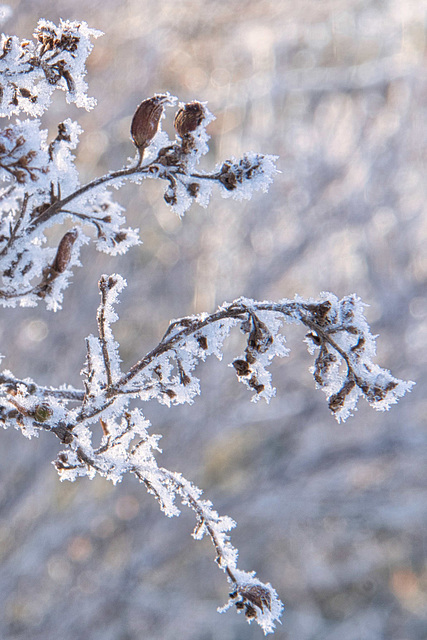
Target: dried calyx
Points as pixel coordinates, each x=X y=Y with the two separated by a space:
x=187 y=120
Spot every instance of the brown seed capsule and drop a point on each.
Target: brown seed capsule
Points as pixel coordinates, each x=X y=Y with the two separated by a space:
x=146 y=120
x=250 y=612
x=188 y=118
x=193 y=189
x=203 y=343
x=242 y=367
x=63 y=254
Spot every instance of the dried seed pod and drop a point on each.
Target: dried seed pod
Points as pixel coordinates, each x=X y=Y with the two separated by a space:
x=260 y=338
x=188 y=118
x=146 y=120
x=202 y=340
x=242 y=367
x=258 y=595
x=170 y=196
x=62 y=431
x=193 y=189
x=255 y=384
x=63 y=254
x=227 y=176
x=320 y=311
x=250 y=612
x=337 y=400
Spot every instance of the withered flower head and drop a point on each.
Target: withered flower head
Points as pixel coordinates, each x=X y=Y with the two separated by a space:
x=188 y=118
x=146 y=120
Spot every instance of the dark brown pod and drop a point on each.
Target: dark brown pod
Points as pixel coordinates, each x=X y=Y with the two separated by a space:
x=146 y=120
x=63 y=254
x=242 y=367
x=188 y=118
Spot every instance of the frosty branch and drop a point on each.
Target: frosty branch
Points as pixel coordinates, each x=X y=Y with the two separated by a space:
x=42 y=189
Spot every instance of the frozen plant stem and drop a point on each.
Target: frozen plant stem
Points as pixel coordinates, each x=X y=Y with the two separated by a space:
x=91 y=205
x=153 y=169
x=42 y=189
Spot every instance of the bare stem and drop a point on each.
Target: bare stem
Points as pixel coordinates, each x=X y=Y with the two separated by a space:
x=181 y=329
x=152 y=167
x=63 y=394
x=204 y=516
x=103 y=287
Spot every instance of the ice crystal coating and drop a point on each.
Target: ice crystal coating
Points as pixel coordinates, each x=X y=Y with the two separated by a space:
x=338 y=334
x=31 y=70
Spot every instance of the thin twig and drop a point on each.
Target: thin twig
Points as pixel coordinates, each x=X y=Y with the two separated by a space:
x=102 y=323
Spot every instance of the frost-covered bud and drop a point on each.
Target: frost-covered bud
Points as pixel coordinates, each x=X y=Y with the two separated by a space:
x=42 y=412
x=111 y=282
x=63 y=254
x=188 y=118
x=146 y=120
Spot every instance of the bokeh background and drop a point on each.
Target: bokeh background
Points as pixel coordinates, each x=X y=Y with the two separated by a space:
x=334 y=516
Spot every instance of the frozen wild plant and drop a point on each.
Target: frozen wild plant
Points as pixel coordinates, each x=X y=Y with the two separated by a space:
x=41 y=188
